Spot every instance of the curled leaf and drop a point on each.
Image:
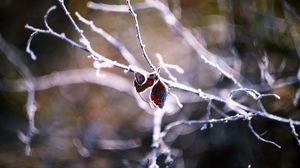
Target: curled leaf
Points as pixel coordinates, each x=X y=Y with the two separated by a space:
x=141 y=83
x=159 y=94
x=139 y=79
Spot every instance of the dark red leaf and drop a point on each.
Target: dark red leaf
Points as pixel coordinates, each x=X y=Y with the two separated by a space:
x=147 y=84
x=159 y=94
x=141 y=83
x=139 y=78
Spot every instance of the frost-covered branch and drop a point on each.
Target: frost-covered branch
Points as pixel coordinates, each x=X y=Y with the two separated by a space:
x=116 y=43
x=243 y=112
x=259 y=136
x=172 y=21
x=172 y=125
x=139 y=36
x=14 y=56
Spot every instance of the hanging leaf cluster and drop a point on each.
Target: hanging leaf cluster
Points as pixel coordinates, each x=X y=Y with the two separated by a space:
x=159 y=91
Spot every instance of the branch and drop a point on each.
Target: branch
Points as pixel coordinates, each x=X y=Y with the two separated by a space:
x=88 y=76
x=61 y=36
x=172 y=21
x=295 y=39
x=87 y=47
x=139 y=36
x=228 y=101
x=295 y=133
x=261 y=138
x=117 y=44
x=243 y=112
x=157 y=120
x=289 y=8
x=116 y=8
x=172 y=125
x=13 y=55
x=166 y=68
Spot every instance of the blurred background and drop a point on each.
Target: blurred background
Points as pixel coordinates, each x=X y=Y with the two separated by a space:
x=250 y=36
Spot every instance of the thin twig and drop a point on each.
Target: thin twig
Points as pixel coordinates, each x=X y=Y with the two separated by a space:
x=172 y=125
x=296 y=135
x=157 y=120
x=289 y=8
x=14 y=57
x=172 y=21
x=295 y=39
x=61 y=36
x=243 y=111
x=28 y=49
x=232 y=104
x=264 y=72
x=115 y=8
x=296 y=97
x=139 y=36
x=52 y=8
x=116 y=43
x=176 y=99
x=87 y=76
x=85 y=41
x=259 y=137
x=166 y=67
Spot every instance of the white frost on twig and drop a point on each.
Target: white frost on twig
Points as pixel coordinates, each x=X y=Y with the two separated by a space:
x=243 y=112
x=166 y=68
x=296 y=135
x=13 y=55
x=259 y=137
x=172 y=21
x=139 y=36
x=177 y=100
x=116 y=43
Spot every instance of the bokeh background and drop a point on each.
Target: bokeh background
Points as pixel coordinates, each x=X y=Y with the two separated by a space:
x=240 y=32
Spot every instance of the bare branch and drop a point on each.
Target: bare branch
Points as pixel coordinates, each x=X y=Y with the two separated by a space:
x=158 y=115
x=13 y=56
x=61 y=36
x=157 y=119
x=289 y=8
x=172 y=125
x=85 y=41
x=166 y=67
x=119 y=144
x=48 y=31
x=261 y=138
x=117 y=44
x=79 y=76
x=172 y=21
x=279 y=83
x=295 y=133
x=177 y=100
x=69 y=77
x=115 y=8
x=295 y=38
x=107 y=145
x=28 y=49
x=52 y=8
x=264 y=72
x=296 y=97
x=139 y=36
x=230 y=103
x=87 y=75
